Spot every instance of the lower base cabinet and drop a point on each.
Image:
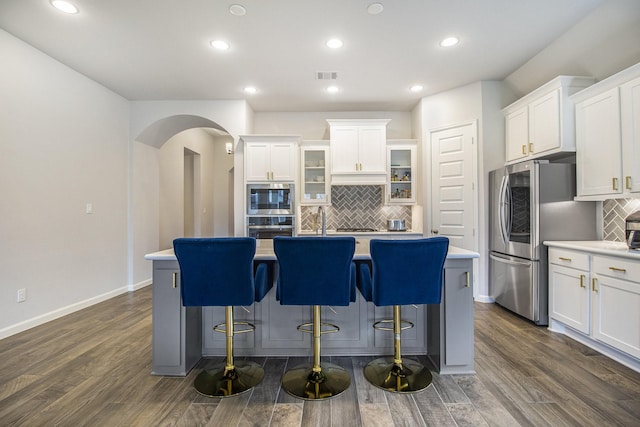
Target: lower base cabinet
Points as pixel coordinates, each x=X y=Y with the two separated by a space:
x=596 y=300
x=182 y=335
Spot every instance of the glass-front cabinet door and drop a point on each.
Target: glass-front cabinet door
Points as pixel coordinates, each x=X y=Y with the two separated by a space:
x=316 y=182
x=401 y=179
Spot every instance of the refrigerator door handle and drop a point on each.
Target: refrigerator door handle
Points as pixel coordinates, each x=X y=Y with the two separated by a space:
x=501 y=209
x=509 y=222
x=509 y=261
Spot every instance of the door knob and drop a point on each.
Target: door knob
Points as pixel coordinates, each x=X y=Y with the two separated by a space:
x=434 y=230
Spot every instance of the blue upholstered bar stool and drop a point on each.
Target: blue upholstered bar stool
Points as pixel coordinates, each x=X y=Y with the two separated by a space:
x=220 y=272
x=316 y=271
x=404 y=272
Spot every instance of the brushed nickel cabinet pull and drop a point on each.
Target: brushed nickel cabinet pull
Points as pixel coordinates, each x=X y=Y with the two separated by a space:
x=619 y=270
x=627 y=182
x=531 y=147
x=582 y=281
x=614 y=184
x=561 y=258
x=468 y=279
x=174 y=280
x=524 y=149
x=594 y=281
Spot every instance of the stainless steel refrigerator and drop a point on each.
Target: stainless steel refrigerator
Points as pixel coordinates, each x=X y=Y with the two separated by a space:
x=531 y=202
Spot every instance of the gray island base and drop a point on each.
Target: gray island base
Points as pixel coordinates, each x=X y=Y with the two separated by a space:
x=444 y=332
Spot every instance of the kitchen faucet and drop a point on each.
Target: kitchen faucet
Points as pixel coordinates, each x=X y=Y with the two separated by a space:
x=323 y=214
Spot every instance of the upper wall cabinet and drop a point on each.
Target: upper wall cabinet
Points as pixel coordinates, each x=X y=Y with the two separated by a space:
x=358 y=151
x=315 y=188
x=608 y=137
x=401 y=178
x=270 y=157
x=541 y=123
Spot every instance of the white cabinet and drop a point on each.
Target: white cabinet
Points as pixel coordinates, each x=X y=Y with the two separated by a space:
x=358 y=151
x=315 y=188
x=541 y=124
x=270 y=157
x=569 y=296
x=608 y=137
x=599 y=297
x=402 y=172
x=630 y=122
x=616 y=303
x=598 y=169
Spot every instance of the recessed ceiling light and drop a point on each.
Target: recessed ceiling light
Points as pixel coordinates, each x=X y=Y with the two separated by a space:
x=250 y=89
x=64 y=6
x=416 y=88
x=237 y=9
x=375 y=8
x=220 y=44
x=334 y=43
x=449 y=41
x=333 y=89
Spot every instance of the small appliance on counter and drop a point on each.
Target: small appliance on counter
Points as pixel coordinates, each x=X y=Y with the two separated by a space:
x=633 y=230
x=396 y=225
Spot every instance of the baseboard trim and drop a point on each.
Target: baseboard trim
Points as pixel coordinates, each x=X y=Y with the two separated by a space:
x=484 y=299
x=56 y=314
x=139 y=285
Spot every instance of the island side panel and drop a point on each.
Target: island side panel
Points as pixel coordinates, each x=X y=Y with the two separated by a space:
x=450 y=324
x=176 y=330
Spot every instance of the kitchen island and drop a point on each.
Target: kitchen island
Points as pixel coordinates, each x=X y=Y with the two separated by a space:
x=182 y=335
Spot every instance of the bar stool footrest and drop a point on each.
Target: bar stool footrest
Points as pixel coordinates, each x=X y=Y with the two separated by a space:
x=308 y=328
x=379 y=323
x=247 y=327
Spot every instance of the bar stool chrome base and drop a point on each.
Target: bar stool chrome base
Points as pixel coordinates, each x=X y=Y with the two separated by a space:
x=304 y=383
x=408 y=377
x=222 y=382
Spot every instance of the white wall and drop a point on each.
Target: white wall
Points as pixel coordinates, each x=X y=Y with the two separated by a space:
x=63 y=143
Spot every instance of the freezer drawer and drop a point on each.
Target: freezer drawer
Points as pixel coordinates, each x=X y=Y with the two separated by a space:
x=519 y=285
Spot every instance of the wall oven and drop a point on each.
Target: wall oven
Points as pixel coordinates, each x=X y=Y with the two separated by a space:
x=270 y=199
x=270 y=210
x=268 y=227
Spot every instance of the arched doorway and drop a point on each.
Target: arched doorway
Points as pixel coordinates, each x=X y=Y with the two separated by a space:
x=182 y=183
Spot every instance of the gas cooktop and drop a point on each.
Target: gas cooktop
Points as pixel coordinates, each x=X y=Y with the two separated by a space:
x=355 y=230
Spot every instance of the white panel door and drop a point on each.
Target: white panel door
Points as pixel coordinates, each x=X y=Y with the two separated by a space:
x=344 y=149
x=453 y=185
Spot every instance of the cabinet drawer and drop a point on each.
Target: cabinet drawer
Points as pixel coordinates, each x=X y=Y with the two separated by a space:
x=617 y=267
x=569 y=258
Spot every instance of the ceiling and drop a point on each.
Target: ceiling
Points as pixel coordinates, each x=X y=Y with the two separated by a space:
x=160 y=49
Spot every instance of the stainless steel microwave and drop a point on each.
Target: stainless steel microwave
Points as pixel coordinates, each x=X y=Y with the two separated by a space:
x=270 y=199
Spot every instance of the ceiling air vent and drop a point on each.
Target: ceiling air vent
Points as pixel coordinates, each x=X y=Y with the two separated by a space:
x=326 y=75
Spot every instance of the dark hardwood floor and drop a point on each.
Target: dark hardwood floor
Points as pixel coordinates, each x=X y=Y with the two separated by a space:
x=92 y=368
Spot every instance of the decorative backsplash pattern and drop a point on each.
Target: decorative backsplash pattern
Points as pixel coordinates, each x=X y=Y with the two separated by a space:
x=356 y=206
x=614 y=211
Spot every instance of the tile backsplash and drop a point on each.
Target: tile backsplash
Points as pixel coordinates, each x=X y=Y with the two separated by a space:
x=357 y=206
x=614 y=211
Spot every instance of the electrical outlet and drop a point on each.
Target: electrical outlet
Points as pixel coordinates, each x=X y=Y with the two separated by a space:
x=22 y=295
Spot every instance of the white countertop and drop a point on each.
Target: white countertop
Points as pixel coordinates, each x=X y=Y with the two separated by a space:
x=602 y=247
x=264 y=252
